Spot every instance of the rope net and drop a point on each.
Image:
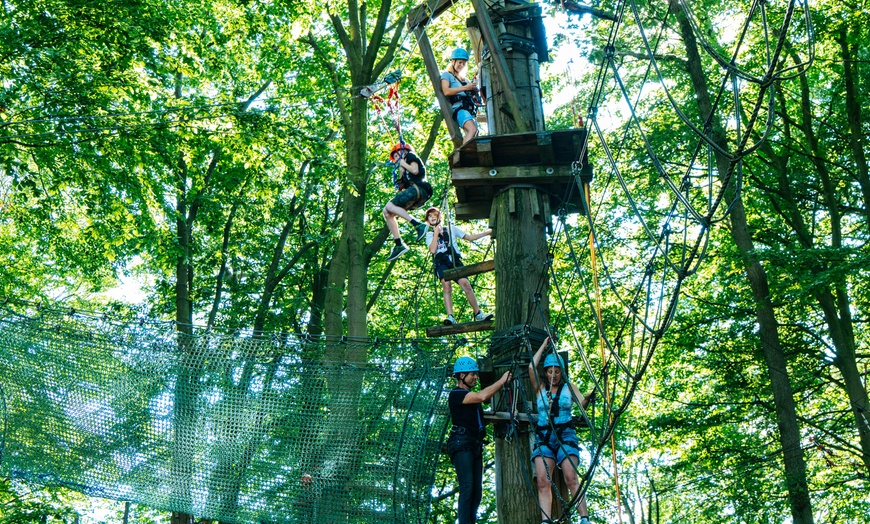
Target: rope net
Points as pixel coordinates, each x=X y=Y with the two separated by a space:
x=225 y=426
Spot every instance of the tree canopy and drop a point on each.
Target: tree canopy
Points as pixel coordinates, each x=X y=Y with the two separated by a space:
x=221 y=154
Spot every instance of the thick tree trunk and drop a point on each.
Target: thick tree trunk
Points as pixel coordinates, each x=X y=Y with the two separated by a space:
x=347 y=266
x=186 y=387
x=845 y=360
x=835 y=301
x=774 y=357
x=857 y=136
x=522 y=289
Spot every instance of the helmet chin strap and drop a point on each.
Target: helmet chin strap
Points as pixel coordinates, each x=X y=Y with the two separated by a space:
x=462 y=379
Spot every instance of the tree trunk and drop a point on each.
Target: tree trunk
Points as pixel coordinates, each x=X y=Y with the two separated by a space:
x=845 y=360
x=522 y=290
x=834 y=301
x=774 y=357
x=187 y=385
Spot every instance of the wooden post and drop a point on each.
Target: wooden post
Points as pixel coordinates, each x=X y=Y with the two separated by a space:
x=435 y=77
x=522 y=274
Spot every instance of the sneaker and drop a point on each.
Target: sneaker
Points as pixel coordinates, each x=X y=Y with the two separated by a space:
x=481 y=316
x=397 y=251
x=421 y=231
x=585 y=520
x=449 y=321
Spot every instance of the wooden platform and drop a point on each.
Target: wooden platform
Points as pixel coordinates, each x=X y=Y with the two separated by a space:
x=486 y=165
x=522 y=149
x=466 y=327
x=521 y=417
x=469 y=270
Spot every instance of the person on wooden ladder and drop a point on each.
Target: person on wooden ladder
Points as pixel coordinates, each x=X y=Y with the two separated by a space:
x=465 y=443
x=442 y=244
x=555 y=434
x=409 y=179
x=461 y=93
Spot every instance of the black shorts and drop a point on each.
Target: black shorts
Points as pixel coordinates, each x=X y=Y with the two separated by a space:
x=411 y=198
x=442 y=264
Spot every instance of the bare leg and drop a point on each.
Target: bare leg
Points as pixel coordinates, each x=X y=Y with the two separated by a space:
x=391 y=211
x=569 y=473
x=545 y=486
x=447 y=288
x=470 y=128
x=469 y=294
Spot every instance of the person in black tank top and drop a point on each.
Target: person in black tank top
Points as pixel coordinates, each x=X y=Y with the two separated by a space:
x=465 y=443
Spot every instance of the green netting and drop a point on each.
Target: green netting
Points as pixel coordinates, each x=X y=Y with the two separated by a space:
x=229 y=427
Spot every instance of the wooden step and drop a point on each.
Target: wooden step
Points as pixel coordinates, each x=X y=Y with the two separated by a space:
x=497 y=416
x=471 y=269
x=467 y=327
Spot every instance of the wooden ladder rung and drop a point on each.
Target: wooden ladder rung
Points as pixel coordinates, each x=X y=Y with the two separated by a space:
x=579 y=422
x=466 y=271
x=505 y=415
x=467 y=327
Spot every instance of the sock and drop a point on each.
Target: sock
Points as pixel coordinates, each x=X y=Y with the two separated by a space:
x=398 y=241
x=415 y=222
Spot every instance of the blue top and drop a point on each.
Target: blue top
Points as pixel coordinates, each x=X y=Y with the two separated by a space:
x=454 y=83
x=565 y=404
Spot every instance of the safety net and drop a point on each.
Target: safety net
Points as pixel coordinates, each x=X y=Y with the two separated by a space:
x=232 y=426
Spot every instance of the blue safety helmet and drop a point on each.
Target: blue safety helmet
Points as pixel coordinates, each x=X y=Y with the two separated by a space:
x=459 y=54
x=465 y=365
x=552 y=360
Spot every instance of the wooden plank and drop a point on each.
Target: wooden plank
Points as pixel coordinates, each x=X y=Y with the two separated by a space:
x=469 y=270
x=548 y=215
x=550 y=147
x=423 y=13
x=472 y=210
x=495 y=416
x=467 y=327
x=484 y=151
x=510 y=175
x=435 y=77
x=504 y=415
x=545 y=148
x=534 y=200
x=499 y=62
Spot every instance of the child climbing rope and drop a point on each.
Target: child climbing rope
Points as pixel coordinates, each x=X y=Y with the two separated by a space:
x=409 y=179
x=442 y=244
x=460 y=92
x=555 y=434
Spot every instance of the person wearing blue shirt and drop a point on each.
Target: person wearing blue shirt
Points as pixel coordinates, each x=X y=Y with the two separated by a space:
x=460 y=92
x=555 y=435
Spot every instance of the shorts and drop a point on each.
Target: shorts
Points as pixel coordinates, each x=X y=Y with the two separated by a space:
x=463 y=116
x=556 y=450
x=410 y=198
x=442 y=264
